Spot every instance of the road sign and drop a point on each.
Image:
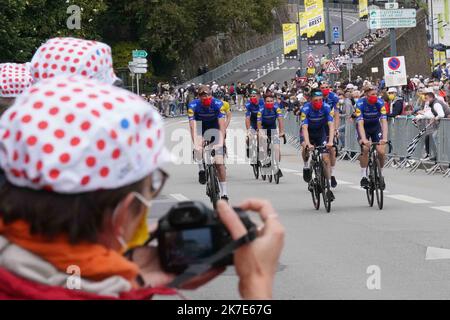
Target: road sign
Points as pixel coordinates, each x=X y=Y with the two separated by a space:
x=391 y=23
x=331 y=67
x=349 y=66
x=374 y=70
x=336 y=35
x=394 y=71
x=391 y=5
x=311 y=62
x=140 y=54
x=140 y=60
x=139 y=70
x=393 y=14
x=353 y=61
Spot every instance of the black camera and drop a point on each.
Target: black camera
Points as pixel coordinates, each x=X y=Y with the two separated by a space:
x=191 y=232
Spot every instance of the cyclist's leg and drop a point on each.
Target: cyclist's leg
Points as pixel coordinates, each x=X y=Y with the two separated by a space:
x=381 y=150
x=364 y=158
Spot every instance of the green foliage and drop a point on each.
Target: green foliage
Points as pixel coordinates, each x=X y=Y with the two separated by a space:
x=167 y=29
x=27 y=24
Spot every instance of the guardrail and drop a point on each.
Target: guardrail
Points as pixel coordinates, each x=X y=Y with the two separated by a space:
x=402 y=132
x=238 y=61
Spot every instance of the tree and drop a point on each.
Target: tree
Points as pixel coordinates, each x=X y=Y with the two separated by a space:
x=27 y=24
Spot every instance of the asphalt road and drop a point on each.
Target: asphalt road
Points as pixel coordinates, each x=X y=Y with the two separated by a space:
x=354 y=30
x=327 y=256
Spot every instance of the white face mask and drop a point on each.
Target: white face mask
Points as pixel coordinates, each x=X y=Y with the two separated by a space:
x=341 y=101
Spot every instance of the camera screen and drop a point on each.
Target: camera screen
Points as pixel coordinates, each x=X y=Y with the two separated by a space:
x=188 y=246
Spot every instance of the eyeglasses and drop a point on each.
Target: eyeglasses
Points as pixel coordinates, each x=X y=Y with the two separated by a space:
x=158 y=180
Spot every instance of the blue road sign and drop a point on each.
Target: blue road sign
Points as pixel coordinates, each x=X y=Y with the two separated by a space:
x=336 y=33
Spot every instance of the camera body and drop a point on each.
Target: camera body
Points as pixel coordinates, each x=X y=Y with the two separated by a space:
x=191 y=232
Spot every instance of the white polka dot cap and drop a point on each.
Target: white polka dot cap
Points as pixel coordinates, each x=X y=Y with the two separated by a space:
x=71 y=56
x=15 y=78
x=73 y=134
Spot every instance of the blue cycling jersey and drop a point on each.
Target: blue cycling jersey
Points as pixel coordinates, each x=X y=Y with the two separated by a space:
x=371 y=114
x=198 y=112
x=317 y=119
x=268 y=117
x=332 y=100
x=251 y=111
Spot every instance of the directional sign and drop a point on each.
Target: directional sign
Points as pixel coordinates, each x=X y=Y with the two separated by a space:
x=140 y=54
x=394 y=71
x=140 y=60
x=393 y=14
x=353 y=61
x=391 y=23
x=331 y=67
x=139 y=70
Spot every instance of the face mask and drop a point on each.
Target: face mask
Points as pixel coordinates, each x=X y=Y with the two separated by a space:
x=270 y=105
x=207 y=101
x=372 y=99
x=317 y=105
x=254 y=100
x=142 y=234
x=391 y=97
x=326 y=92
x=341 y=101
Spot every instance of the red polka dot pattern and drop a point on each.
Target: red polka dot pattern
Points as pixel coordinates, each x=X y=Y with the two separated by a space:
x=15 y=78
x=71 y=56
x=73 y=134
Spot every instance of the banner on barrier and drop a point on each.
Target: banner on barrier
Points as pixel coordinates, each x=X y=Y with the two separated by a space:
x=316 y=21
x=290 y=40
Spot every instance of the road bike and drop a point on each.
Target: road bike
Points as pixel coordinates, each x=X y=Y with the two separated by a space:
x=270 y=165
x=253 y=154
x=212 y=180
x=376 y=180
x=319 y=184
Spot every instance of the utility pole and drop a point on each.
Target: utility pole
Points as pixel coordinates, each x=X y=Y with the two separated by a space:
x=328 y=30
x=432 y=30
x=299 y=46
x=342 y=21
x=393 y=36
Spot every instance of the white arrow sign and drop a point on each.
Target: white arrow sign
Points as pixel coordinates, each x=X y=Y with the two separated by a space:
x=139 y=70
x=140 y=60
x=393 y=14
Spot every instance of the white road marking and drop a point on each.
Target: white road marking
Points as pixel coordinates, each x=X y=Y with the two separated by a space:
x=298 y=174
x=434 y=253
x=289 y=170
x=179 y=197
x=408 y=199
x=357 y=188
x=342 y=182
x=444 y=209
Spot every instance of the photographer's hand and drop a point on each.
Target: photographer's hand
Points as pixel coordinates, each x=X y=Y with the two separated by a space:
x=257 y=261
x=147 y=259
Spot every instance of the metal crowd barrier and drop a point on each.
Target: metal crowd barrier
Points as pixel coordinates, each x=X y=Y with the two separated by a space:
x=402 y=132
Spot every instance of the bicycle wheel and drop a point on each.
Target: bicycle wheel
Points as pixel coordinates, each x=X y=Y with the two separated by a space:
x=370 y=190
x=325 y=190
x=378 y=191
x=256 y=170
x=315 y=194
x=213 y=186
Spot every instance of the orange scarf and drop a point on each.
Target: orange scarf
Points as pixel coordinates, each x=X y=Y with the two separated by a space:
x=95 y=261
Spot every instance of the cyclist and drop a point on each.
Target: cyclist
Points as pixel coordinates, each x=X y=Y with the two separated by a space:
x=210 y=113
x=332 y=100
x=219 y=94
x=317 y=117
x=371 y=125
x=252 y=107
x=267 y=120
